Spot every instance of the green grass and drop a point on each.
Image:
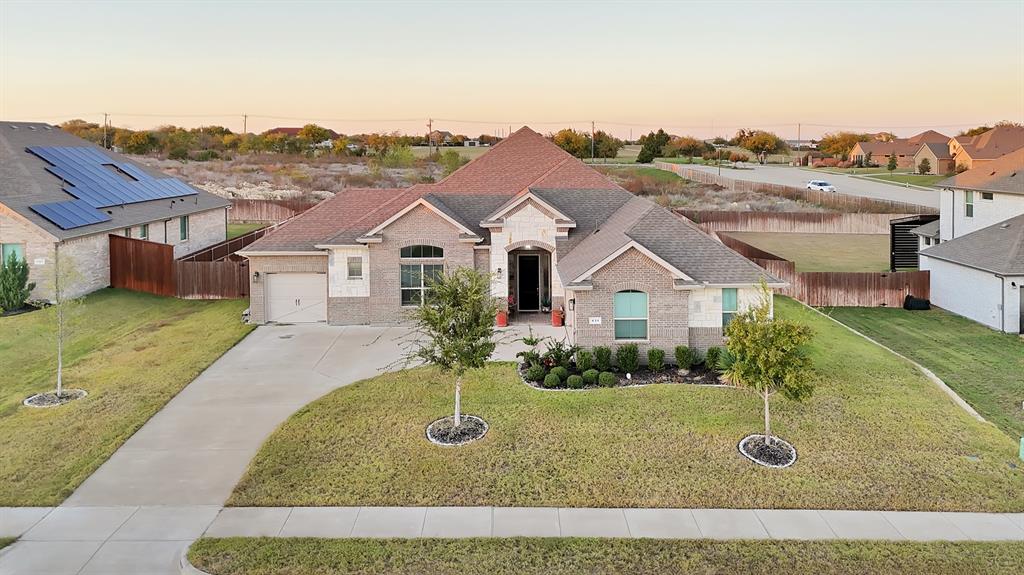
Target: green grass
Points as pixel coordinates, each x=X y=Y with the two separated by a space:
x=5 y=541
x=983 y=366
x=132 y=352
x=913 y=179
x=875 y=435
x=853 y=171
x=658 y=176
x=465 y=152
x=515 y=556
x=824 y=252
x=235 y=230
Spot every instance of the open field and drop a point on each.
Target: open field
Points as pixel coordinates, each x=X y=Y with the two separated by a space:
x=132 y=352
x=235 y=230
x=627 y=155
x=982 y=365
x=465 y=152
x=875 y=435
x=824 y=252
x=253 y=556
x=912 y=179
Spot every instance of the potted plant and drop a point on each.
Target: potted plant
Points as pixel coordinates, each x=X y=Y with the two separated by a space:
x=545 y=305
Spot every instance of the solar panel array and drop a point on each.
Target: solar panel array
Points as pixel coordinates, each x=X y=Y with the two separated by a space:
x=97 y=181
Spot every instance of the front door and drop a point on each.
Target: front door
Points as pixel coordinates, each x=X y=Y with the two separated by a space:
x=529 y=282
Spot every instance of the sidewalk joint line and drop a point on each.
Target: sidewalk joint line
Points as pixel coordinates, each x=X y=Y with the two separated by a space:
x=107 y=540
x=355 y=521
x=287 y=517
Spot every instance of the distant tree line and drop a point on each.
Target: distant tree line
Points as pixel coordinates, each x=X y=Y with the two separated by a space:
x=579 y=144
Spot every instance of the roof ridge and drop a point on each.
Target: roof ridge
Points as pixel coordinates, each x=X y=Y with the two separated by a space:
x=492 y=148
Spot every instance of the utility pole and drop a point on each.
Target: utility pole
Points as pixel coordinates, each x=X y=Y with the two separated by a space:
x=245 y=123
x=591 y=140
x=430 y=130
x=105 y=116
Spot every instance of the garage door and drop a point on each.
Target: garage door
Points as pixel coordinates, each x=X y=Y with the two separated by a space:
x=296 y=298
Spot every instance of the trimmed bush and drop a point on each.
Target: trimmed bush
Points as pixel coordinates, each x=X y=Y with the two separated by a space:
x=560 y=372
x=590 y=376
x=686 y=357
x=551 y=380
x=628 y=357
x=656 y=359
x=584 y=360
x=607 y=379
x=575 y=381
x=711 y=357
x=535 y=372
x=603 y=358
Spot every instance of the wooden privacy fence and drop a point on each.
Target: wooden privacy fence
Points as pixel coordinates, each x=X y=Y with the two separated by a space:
x=150 y=267
x=839 y=201
x=791 y=222
x=853 y=289
x=268 y=211
x=227 y=248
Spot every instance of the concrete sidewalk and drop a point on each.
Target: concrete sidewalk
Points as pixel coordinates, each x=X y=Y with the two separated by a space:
x=150 y=540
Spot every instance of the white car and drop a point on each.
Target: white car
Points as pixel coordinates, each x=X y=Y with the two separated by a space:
x=821 y=186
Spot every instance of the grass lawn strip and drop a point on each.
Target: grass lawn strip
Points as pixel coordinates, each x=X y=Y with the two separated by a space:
x=912 y=179
x=824 y=252
x=133 y=352
x=876 y=435
x=981 y=365
x=236 y=230
x=5 y=541
x=255 y=556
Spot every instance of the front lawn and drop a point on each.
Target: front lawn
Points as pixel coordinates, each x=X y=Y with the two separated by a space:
x=824 y=252
x=567 y=556
x=983 y=366
x=236 y=230
x=133 y=352
x=876 y=435
x=912 y=179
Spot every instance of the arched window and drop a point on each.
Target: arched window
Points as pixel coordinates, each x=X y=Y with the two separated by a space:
x=422 y=252
x=630 y=315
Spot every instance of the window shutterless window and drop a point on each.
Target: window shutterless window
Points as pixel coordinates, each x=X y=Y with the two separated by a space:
x=421 y=252
x=183 y=228
x=730 y=305
x=127 y=232
x=969 y=204
x=630 y=310
x=986 y=195
x=416 y=280
x=144 y=231
x=355 y=268
x=17 y=249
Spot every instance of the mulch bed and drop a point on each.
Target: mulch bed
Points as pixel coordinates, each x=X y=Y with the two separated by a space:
x=51 y=399
x=444 y=432
x=27 y=308
x=698 y=375
x=778 y=453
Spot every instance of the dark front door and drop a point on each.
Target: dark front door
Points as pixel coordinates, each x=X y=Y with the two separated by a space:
x=529 y=283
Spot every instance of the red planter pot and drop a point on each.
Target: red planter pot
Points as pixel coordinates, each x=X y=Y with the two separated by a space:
x=557 y=317
x=502 y=318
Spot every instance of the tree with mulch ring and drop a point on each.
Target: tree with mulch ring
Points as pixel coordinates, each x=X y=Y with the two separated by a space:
x=54 y=398
x=456 y=334
x=766 y=356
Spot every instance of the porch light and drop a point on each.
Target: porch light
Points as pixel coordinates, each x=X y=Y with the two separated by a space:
x=572 y=304
x=498 y=275
x=256 y=277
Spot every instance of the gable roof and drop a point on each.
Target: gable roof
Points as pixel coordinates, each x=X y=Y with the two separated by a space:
x=940 y=151
x=999 y=248
x=929 y=230
x=994 y=143
x=25 y=182
x=1004 y=175
x=903 y=146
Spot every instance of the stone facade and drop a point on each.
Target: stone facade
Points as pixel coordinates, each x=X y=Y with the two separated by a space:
x=312 y=263
x=528 y=224
x=668 y=308
x=418 y=226
x=348 y=310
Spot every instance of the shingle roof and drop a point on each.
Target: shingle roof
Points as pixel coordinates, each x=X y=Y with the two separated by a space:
x=994 y=143
x=929 y=230
x=1004 y=175
x=25 y=182
x=940 y=151
x=998 y=248
x=904 y=146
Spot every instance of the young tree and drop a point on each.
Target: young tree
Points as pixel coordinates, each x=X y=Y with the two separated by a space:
x=66 y=307
x=14 y=285
x=767 y=355
x=924 y=167
x=652 y=146
x=891 y=165
x=456 y=327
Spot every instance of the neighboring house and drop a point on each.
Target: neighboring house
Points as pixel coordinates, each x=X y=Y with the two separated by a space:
x=969 y=152
x=62 y=195
x=977 y=259
x=547 y=228
x=440 y=137
x=903 y=148
x=938 y=156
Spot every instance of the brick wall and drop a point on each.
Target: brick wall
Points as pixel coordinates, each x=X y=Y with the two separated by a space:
x=204 y=229
x=348 y=310
x=419 y=226
x=313 y=263
x=668 y=308
x=38 y=245
x=482 y=260
x=704 y=337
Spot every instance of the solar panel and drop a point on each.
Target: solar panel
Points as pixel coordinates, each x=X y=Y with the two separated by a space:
x=70 y=214
x=97 y=181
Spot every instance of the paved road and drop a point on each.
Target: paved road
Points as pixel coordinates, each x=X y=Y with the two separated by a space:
x=797 y=177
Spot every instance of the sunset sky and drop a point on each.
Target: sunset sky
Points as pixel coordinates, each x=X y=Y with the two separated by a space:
x=478 y=67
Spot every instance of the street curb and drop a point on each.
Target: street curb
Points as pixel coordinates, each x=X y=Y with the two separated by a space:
x=186 y=566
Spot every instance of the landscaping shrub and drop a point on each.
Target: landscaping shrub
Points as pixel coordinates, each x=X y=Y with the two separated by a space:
x=559 y=353
x=711 y=357
x=628 y=357
x=551 y=380
x=575 y=381
x=686 y=357
x=603 y=357
x=14 y=285
x=535 y=372
x=584 y=360
x=656 y=359
x=590 y=376
x=560 y=372
x=607 y=379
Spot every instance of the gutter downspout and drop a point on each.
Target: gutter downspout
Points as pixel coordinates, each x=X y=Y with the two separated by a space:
x=1002 y=304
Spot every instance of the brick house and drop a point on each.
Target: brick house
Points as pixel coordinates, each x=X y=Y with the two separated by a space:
x=969 y=152
x=551 y=232
x=905 y=149
x=62 y=195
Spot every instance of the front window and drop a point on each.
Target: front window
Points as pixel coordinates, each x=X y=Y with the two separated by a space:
x=969 y=204
x=730 y=305
x=986 y=195
x=355 y=268
x=416 y=281
x=127 y=232
x=17 y=249
x=630 y=315
x=144 y=231
x=422 y=252
x=183 y=228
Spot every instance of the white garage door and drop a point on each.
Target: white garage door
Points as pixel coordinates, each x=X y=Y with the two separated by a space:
x=296 y=298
